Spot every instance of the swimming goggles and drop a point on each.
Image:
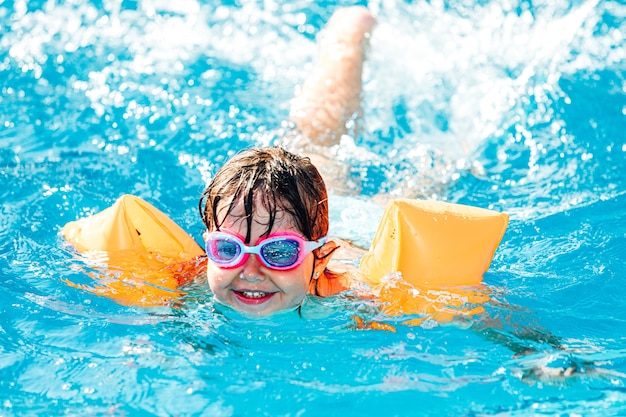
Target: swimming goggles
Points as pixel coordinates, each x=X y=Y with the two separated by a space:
x=280 y=251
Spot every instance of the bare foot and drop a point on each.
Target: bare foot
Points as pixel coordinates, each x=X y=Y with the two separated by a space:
x=331 y=95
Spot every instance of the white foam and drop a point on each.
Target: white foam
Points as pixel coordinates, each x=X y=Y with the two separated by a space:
x=476 y=68
x=440 y=79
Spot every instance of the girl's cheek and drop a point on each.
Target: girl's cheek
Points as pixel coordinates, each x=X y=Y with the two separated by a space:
x=213 y=278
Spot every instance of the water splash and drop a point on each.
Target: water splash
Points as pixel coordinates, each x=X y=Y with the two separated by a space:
x=442 y=78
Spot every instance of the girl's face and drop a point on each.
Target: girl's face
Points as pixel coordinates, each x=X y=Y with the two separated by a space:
x=254 y=288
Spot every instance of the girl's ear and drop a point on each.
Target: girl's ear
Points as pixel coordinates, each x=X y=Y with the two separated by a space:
x=323 y=256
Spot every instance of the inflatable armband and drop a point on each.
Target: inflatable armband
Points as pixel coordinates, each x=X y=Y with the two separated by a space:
x=131 y=224
x=146 y=256
x=436 y=251
x=433 y=243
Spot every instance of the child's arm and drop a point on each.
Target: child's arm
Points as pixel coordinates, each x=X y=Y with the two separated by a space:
x=330 y=96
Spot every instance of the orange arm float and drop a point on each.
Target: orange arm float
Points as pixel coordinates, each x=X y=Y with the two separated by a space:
x=433 y=243
x=438 y=248
x=131 y=224
x=147 y=255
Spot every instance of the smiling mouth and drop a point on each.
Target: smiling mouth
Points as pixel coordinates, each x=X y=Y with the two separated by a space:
x=253 y=297
x=254 y=294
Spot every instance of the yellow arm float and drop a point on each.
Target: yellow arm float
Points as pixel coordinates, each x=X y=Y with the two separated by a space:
x=131 y=224
x=433 y=243
x=439 y=249
x=147 y=255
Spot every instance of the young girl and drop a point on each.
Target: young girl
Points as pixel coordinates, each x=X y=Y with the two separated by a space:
x=266 y=210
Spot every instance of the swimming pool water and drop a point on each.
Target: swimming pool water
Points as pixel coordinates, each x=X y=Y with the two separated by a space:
x=513 y=105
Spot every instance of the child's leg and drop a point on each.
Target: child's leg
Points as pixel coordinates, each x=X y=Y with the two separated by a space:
x=331 y=94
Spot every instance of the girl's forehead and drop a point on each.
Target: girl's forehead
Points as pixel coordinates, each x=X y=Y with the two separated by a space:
x=235 y=218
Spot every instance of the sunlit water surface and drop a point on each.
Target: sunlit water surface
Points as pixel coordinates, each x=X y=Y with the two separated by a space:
x=512 y=105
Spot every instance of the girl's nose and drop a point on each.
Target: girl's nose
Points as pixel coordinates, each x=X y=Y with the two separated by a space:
x=251 y=271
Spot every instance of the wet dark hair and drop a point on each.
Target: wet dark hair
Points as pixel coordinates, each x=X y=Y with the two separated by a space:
x=278 y=179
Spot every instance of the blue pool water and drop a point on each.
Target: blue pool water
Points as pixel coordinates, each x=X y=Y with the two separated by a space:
x=513 y=105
